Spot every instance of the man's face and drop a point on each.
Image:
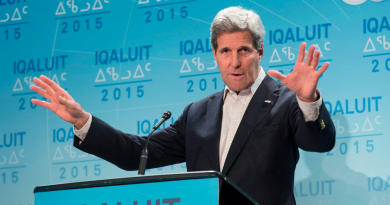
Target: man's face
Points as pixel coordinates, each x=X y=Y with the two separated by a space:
x=237 y=59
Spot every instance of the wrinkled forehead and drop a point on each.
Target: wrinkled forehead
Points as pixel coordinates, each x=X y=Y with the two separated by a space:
x=236 y=39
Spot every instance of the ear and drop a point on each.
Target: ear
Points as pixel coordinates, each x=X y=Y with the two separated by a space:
x=215 y=56
x=261 y=51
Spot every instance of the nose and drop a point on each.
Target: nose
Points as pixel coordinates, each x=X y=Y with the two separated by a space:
x=235 y=61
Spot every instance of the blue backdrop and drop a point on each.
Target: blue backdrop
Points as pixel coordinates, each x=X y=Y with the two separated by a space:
x=127 y=62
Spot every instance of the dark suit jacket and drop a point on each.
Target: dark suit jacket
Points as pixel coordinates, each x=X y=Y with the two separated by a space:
x=263 y=154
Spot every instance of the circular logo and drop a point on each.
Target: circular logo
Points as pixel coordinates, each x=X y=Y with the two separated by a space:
x=354 y=2
x=358 y=2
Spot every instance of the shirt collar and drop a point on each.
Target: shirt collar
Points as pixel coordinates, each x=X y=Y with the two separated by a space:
x=253 y=87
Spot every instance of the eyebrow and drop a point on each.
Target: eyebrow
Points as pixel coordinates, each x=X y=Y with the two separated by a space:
x=240 y=48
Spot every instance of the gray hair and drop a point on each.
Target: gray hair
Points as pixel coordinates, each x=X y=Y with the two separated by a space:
x=234 y=19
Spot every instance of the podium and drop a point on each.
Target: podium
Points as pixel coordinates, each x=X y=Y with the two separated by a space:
x=189 y=188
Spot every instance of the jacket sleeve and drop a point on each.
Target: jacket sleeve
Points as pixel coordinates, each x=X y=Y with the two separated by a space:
x=166 y=146
x=316 y=136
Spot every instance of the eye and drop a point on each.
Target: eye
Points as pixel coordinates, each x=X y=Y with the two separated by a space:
x=245 y=50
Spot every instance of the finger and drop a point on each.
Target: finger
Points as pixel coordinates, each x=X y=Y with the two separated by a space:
x=68 y=103
x=310 y=54
x=301 y=54
x=316 y=59
x=43 y=85
x=323 y=68
x=277 y=75
x=41 y=103
x=41 y=92
x=51 y=83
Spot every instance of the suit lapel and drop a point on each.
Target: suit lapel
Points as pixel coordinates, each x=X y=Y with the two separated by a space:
x=257 y=109
x=214 y=123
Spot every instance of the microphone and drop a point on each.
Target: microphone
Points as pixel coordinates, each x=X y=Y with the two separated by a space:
x=165 y=117
x=144 y=154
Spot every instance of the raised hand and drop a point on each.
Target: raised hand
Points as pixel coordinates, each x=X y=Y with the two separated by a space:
x=304 y=78
x=61 y=103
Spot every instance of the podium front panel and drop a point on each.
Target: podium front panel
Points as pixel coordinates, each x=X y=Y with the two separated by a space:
x=193 y=191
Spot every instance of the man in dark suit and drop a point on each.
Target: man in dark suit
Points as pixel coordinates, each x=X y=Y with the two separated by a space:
x=250 y=131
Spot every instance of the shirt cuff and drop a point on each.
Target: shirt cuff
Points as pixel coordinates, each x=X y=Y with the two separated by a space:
x=82 y=133
x=311 y=111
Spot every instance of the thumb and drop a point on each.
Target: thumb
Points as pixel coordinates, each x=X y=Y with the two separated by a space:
x=277 y=75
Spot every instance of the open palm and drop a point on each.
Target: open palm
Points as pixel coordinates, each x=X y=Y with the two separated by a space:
x=61 y=103
x=304 y=78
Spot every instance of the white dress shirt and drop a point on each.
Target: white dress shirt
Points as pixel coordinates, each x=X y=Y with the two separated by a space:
x=234 y=108
x=235 y=105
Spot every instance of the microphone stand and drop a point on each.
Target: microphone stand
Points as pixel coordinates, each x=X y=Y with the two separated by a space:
x=144 y=154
